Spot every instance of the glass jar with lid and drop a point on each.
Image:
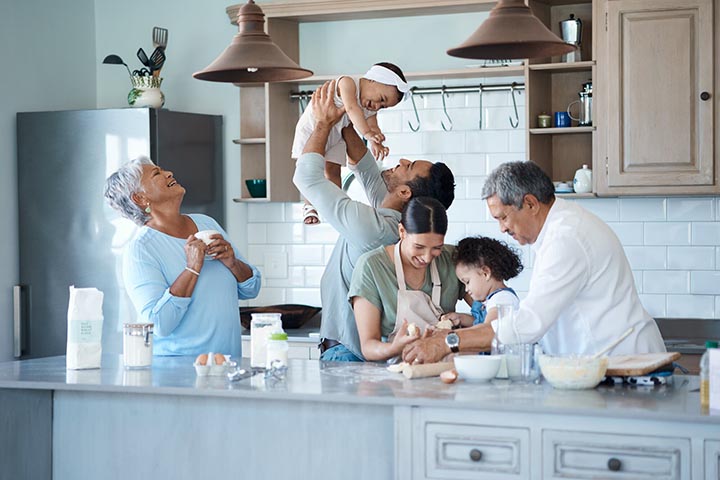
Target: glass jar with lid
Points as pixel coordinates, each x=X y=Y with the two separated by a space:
x=261 y=326
x=137 y=345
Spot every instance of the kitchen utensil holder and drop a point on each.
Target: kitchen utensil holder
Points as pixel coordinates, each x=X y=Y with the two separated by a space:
x=146 y=92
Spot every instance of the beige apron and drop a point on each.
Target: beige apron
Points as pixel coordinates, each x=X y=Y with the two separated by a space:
x=414 y=305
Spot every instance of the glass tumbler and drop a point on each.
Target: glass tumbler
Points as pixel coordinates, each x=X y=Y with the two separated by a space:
x=522 y=364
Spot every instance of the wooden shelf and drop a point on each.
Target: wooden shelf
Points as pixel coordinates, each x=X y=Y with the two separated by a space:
x=250 y=200
x=561 y=131
x=249 y=141
x=333 y=10
x=575 y=195
x=564 y=66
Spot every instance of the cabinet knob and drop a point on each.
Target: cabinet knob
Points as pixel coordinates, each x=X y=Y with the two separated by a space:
x=475 y=455
x=614 y=464
x=705 y=96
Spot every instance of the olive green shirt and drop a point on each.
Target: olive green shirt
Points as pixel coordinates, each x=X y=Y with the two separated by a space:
x=374 y=279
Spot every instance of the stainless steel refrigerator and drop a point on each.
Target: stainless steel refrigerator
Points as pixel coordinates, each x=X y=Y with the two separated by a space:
x=67 y=233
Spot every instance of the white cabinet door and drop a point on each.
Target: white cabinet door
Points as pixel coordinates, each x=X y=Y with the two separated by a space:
x=712 y=459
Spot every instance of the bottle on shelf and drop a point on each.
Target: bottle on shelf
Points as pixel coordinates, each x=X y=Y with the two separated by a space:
x=582 y=183
x=705 y=374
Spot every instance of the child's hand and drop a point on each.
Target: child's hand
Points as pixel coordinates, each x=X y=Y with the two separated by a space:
x=374 y=135
x=459 y=319
x=379 y=151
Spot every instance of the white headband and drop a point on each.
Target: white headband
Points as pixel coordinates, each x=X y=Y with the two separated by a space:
x=388 y=77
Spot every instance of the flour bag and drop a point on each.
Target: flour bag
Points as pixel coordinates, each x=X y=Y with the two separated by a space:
x=85 y=321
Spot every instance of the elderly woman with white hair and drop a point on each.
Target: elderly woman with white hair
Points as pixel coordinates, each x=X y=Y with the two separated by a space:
x=188 y=289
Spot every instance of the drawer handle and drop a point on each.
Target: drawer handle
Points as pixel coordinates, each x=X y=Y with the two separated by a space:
x=475 y=455
x=705 y=96
x=614 y=465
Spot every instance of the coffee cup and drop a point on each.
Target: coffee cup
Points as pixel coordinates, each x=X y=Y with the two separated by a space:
x=544 y=121
x=562 y=119
x=205 y=235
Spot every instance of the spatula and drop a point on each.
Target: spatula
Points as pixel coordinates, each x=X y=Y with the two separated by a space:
x=142 y=56
x=160 y=37
x=157 y=60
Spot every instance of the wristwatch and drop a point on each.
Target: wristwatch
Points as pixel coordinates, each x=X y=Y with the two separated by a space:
x=453 y=341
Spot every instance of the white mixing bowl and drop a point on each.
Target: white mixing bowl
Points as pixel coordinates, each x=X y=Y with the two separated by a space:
x=573 y=372
x=478 y=368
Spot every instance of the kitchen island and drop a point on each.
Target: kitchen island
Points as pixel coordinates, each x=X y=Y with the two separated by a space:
x=331 y=420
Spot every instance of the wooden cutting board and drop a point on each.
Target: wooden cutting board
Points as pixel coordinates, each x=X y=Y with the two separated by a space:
x=639 y=363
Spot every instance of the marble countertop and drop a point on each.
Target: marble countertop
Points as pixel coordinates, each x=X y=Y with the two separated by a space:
x=366 y=383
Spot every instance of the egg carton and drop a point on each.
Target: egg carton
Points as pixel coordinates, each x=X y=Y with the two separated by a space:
x=211 y=368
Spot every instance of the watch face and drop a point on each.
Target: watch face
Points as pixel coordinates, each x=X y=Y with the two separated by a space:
x=452 y=340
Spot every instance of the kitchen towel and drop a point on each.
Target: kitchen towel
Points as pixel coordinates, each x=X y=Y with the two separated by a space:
x=85 y=320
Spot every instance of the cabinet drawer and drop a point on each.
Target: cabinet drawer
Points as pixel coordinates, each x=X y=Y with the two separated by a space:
x=456 y=451
x=712 y=459
x=594 y=455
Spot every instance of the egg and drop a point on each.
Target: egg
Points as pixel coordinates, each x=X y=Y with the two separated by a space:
x=449 y=376
x=201 y=359
x=219 y=359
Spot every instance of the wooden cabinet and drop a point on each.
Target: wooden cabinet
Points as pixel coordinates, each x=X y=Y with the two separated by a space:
x=268 y=117
x=657 y=103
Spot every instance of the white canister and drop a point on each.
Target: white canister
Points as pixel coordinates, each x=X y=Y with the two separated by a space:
x=137 y=345
x=261 y=326
x=582 y=183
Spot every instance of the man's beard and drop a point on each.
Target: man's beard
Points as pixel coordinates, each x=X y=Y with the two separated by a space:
x=386 y=176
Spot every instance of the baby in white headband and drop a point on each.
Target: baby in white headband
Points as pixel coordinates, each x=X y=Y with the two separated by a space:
x=383 y=86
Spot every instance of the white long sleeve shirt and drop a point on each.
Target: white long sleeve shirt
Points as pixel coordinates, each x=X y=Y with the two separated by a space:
x=582 y=294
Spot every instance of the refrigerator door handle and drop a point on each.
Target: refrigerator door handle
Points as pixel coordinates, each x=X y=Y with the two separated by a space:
x=18 y=320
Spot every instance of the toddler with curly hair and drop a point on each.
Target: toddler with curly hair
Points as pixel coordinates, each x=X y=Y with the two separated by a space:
x=483 y=265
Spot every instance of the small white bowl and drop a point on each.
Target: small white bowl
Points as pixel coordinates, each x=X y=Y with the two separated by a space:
x=477 y=368
x=573 y=372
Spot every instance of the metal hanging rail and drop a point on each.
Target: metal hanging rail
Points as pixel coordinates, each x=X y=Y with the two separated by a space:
x=304 y=94
x=304 y=97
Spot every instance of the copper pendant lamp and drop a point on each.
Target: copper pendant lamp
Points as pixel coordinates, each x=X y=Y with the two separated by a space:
x=511 y=32
x=252 y=57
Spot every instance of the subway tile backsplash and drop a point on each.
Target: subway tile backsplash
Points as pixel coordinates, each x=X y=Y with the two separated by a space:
x=672 y=244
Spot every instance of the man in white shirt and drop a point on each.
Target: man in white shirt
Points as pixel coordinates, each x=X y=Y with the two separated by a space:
x=582 y=293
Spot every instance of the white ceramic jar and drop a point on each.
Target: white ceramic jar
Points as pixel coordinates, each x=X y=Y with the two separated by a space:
x=582 y=183
x=146 y=92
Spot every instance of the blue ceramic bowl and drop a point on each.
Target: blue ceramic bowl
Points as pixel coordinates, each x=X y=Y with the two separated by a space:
x=257 y=187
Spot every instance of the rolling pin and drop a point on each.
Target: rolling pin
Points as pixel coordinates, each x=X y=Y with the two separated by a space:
x=422 y=370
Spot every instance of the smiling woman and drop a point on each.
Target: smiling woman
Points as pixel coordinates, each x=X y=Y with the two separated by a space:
x=411 y=282
x=188 y=288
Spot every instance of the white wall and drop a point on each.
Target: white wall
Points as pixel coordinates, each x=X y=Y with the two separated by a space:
x=47 y=51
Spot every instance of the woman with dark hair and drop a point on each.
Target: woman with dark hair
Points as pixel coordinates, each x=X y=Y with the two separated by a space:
x=410 y=283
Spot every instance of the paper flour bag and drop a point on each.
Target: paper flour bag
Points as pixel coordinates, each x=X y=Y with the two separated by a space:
x=85 y=321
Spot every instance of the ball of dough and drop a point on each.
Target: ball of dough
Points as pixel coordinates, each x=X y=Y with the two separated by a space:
x=412 y=329
x=444 y=324
x=201 y=359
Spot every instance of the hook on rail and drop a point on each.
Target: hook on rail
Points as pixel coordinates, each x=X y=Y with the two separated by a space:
x=516 y=122
x=417 y=117
x=442 y=122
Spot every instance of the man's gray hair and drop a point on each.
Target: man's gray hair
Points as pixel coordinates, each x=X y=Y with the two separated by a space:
x=511 y=181
x=121 y=185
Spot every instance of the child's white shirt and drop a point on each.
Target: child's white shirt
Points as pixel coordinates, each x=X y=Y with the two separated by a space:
x=335 y=149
